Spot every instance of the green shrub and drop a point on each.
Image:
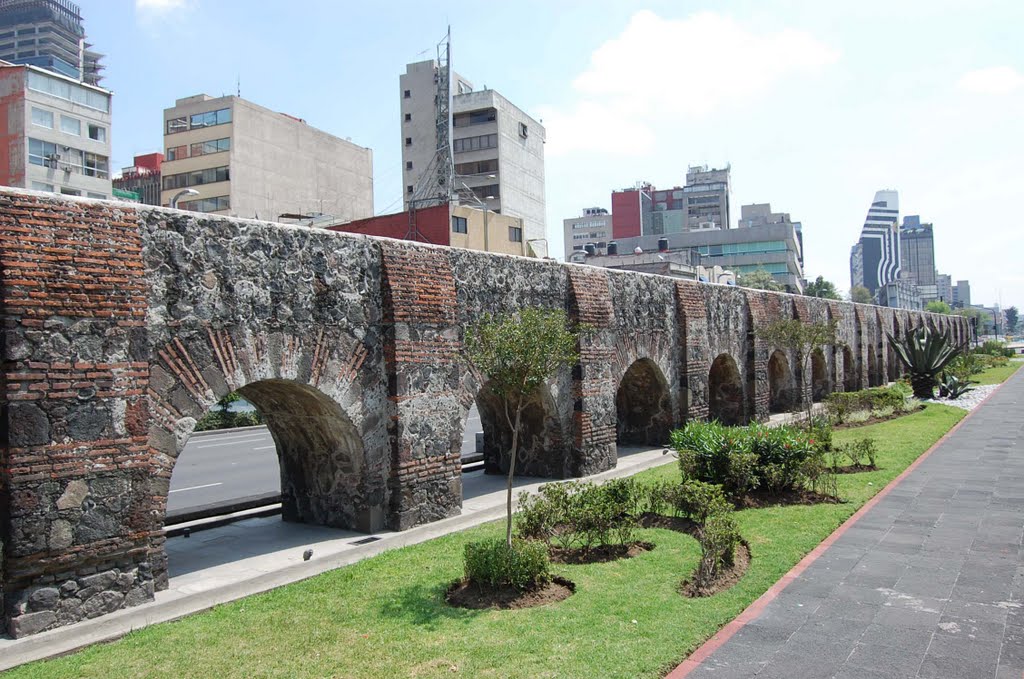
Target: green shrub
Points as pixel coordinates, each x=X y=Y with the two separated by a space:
x=995 y=348
x=718 y=538
x=491 y=563
x=698 y=500
x=861 y=452
x=583 y=515
x=841 y=405
x=741 y=459
x=819 y=428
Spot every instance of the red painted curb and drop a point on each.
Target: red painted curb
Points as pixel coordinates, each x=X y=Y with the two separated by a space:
x=753 y=610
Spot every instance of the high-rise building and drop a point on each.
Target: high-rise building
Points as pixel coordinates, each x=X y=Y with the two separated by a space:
x=944 y=288
x=142 y=179
x=962 y=294
x=248 y=161
x=498 y=150
x=707 y=197
x=917 y=251
x=758 y=215
x=701 y=205
x=594 y=225
x=48 y=34
x=875 y=259
x=56 y=133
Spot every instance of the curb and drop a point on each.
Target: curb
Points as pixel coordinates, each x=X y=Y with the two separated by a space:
x=232 y=430
x=753 y=610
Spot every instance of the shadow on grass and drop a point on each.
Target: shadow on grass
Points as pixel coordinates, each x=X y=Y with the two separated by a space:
x=424 y=606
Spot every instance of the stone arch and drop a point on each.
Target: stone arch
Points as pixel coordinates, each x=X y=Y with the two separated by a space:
x=873 y=374
x=540 y=447
x=783 y=394
x=851 y=375
x=643 y=405
x=820 y=384
x=725 y=392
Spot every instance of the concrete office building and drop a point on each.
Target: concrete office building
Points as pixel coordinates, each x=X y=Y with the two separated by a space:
x=944 y=288
x=703 y=204
x=917 y=256
x=962 y=294
x=57 y=133
x=142 y=179
x=249 y=161
x=594 y=225
x=899 y=294
x=773 y=248
x=875 y=259
x=48 y=34
x=498 y=150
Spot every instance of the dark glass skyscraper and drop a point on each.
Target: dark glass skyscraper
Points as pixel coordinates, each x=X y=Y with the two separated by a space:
x=48 y=34
x=917 y=249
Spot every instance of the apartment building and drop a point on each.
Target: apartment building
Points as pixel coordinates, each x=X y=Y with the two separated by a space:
x=594 y=225
x=497 y=149
x=142 y=180
x=702 y=204
x=57 y=136
x=244 y=160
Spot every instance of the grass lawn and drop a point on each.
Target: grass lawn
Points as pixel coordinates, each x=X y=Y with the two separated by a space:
x=385 y=617
x=997 y=374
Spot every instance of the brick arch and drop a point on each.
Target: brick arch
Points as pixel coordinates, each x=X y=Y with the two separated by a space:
x=726 y=392
x=643 y=405
x=783 y=392
x=821 y=385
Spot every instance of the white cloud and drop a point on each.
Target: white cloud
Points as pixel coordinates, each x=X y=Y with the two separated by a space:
x=659 y=68
x=994 y=80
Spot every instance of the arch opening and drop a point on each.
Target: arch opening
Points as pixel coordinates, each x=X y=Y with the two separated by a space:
x=540 y=442
x=850 y=378
x=643 y=405
x=873 y=377
x=725 y=392
x=820 y=386
x=783 y=395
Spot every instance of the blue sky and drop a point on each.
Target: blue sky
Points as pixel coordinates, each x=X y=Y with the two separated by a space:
x=815 y=107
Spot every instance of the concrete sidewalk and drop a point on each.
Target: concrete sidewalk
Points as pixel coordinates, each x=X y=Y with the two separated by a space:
x=227 y=563
x=927 y=582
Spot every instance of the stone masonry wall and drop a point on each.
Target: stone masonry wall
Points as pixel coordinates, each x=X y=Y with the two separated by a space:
x=122 y=324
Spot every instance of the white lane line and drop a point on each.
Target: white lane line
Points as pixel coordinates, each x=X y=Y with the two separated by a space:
x=225 y=442
x=208 y=485
x=265 y=448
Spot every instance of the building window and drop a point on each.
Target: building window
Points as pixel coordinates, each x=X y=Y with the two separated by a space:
x=70 y=192
x=210 y=118
x=95 y=166
x=479 y=167
x=177 y=152
x=204 y=148
x=515 y=234
x=71 y=126
x=179 y=124
x=485 y=141
x=62 y=89
x=97 y=133
x=486 y=192
x=40 y=186
x=209 y=175
x=100 y=196
x=408 y=165
x=407 y=94
x=408 y=141
x=523 y=130
x=42 y=118
x=459 y=225
x=475 y=118
x=408 y=189
x=408 y=117
x=215 y=204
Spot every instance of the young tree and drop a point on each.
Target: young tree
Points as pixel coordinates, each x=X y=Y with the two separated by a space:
x=861 y=295
x=517 y=353
x=804 y=339
x=938 y=307
x=821 y=288
x=760 y=279
x=1011 y=319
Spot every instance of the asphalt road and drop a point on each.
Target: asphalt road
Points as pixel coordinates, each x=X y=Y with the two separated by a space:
x=223 y=467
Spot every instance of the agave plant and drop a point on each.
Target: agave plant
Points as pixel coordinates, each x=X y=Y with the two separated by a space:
x=925 y=354
x=952 y=387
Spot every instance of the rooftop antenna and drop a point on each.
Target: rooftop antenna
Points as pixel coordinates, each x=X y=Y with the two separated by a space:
x=238 y=85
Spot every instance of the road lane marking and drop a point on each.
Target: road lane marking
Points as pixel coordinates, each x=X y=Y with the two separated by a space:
x=225 y=442
x=208 y=485
x=265 y=448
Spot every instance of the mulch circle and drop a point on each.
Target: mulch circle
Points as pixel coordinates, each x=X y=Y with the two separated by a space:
x=726 y=579
x=600 y=554
x=676 y=523
x=856 y=469
x=462 y=594
x=761 y=498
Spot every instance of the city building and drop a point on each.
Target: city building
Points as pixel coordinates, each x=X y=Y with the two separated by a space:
x=702 y=204
x=141 y=179
x=459 y=226
x=962 y=294
x=248 y=161
x=497 y=149
x=899 y=294
x=944 y=288
x=594 y=225
x=678 y=264
x=757 y=215
x=875 y=259
x=774 y=248
x=917 y=256
x=48 y=34
x=57 y=133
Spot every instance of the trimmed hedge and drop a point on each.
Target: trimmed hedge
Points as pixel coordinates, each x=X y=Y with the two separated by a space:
x=492 y=563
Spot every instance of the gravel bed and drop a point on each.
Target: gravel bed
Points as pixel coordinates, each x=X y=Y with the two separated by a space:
x=970 y=400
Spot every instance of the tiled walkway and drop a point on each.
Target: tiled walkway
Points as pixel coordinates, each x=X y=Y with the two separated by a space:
x=929 y=582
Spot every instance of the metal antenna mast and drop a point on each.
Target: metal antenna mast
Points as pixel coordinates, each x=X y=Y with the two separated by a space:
x=435 y=184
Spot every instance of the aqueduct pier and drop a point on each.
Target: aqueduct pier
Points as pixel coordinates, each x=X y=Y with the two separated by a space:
x=123 y=324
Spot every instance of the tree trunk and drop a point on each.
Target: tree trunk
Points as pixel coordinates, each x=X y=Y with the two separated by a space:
x=511 y=466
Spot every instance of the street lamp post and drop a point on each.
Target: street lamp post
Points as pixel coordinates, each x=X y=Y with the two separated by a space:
x=179 y=194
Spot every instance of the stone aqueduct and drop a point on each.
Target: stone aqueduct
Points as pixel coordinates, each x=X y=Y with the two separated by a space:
x=123 y=324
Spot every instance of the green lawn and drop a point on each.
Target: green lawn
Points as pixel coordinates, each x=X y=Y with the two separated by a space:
x=385 y=617
x=997 y=374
